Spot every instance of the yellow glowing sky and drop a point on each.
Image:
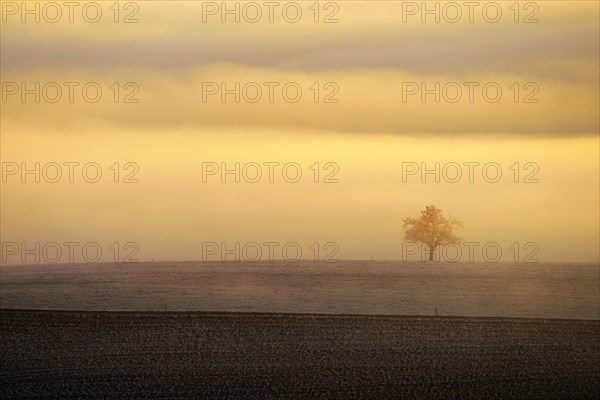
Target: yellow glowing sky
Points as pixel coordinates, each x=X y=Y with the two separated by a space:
x=369 y=133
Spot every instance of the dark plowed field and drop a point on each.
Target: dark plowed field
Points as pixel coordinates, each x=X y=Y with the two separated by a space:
x=55 y=354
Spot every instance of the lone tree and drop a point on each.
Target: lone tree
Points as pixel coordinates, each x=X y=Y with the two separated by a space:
x=431 y=228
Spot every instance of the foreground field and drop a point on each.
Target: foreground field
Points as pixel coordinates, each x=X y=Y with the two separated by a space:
x=60 y=354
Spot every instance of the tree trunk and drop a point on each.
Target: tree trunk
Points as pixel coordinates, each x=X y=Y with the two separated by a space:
x=430 y=254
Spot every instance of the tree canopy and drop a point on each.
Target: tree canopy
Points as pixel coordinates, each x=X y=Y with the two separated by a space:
x=432 y=228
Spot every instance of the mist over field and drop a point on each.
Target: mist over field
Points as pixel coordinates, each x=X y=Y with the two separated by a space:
x=346 y=287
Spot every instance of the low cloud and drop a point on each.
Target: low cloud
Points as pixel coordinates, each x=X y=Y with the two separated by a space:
x=352 y=101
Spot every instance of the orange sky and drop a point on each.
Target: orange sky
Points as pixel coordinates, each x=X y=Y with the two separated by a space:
x=369 y=133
